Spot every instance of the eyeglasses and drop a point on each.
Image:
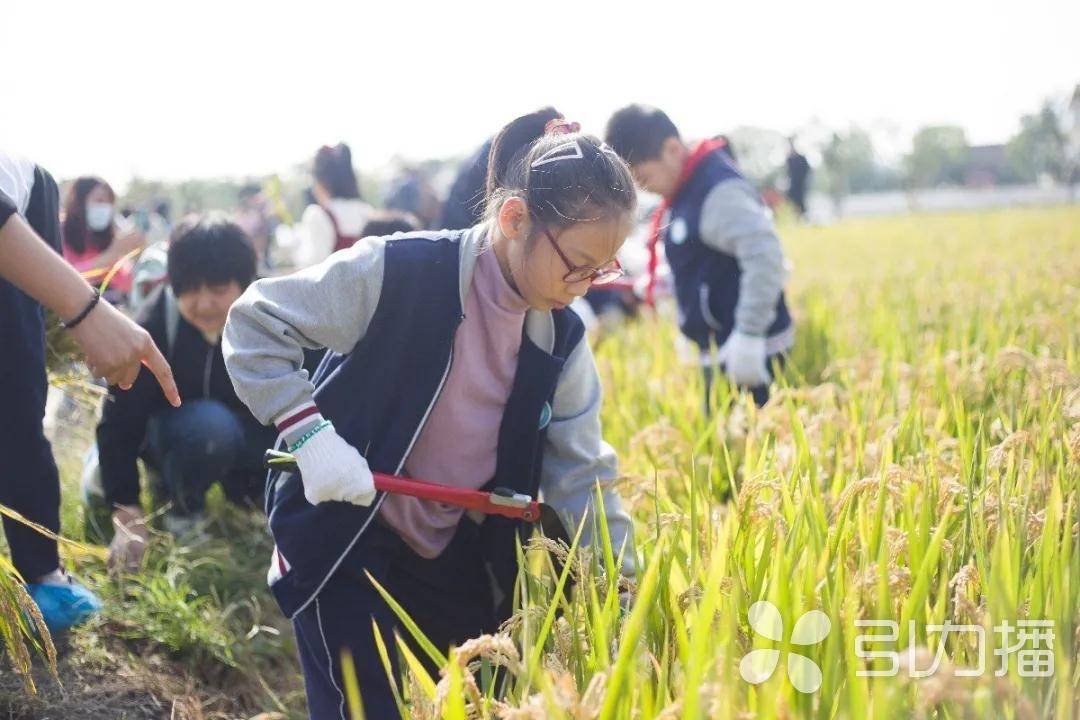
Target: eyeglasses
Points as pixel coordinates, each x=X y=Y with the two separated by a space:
x=607 y=273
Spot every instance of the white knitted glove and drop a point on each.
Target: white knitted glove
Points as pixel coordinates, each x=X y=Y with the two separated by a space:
x=743 y=357
x=332 y=469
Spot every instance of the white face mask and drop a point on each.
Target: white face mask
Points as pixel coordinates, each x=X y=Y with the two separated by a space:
x=98 y=215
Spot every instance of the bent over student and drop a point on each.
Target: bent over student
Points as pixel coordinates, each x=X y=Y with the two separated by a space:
x=454 y=359
x=213 y=438
x=720 y=242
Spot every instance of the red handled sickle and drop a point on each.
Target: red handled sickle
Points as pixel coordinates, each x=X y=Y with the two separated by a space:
x=499 y=501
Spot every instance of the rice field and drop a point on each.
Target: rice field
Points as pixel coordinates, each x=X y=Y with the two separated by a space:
x=896 y=534
x=920 y=465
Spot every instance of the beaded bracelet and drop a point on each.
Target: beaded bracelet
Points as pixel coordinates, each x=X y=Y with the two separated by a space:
x=69 y=324
x=308 y=435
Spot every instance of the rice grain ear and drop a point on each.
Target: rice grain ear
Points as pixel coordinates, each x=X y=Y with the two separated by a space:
x=34 y=612
x=74 y=546
x=14 y=632
x=19 y=617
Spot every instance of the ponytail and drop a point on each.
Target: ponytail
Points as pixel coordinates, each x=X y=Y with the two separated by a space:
x=334 y=171
x=563 y=175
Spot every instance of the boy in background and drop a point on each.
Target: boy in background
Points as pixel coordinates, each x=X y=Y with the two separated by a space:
x=719 y=239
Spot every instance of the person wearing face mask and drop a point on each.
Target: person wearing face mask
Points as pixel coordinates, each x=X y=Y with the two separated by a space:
x=212 y=437
x=94 y=238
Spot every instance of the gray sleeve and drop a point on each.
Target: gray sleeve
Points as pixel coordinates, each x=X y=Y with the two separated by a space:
x=736 y=222
x=326 y=305
x=576 y=457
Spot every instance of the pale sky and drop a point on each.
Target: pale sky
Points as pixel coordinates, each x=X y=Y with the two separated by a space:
x=227 y=88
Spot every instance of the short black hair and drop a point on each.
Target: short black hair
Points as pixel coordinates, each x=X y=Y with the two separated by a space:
x=389 y=222
x=638 y=132
x=209 y=250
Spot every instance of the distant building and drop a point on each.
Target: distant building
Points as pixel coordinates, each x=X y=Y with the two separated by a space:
x=986 y=166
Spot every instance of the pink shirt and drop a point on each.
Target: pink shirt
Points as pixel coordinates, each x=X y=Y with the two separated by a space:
x=85 y=261
x=458 y=444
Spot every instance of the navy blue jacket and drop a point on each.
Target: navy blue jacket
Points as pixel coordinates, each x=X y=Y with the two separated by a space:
x=706 y=279
x=379 y=394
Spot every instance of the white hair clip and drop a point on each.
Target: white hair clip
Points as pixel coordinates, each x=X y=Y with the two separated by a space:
x=570 y=150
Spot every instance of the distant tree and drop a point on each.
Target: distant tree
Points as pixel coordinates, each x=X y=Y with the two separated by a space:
x=847 y=159
x=1074 y=140
x=761 y=152
x=850 y=165
x=1042 y=146
x=142 y=192
x=937 y=156
x=194 y=195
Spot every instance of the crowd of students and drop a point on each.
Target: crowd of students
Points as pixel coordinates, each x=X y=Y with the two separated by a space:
x=450 y=355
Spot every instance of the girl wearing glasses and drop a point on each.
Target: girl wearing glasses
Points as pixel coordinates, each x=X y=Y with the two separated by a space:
x=453 y=359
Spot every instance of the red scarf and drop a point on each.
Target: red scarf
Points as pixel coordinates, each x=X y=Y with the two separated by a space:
x=699 y=153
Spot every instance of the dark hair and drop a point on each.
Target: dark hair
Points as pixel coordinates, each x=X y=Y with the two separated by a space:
x=637 y=132
x=390 y=222
x=209 y=250
x=334 y=171
x=75 y=232
x=464 y=206
x=593 y=181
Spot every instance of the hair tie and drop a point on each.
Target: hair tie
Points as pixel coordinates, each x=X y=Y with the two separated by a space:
x=561 y=126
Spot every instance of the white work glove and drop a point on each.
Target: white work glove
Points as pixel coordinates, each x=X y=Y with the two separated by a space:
x=743 y=357
x=332 y=469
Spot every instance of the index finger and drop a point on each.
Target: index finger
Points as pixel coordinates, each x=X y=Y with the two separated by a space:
x=158 y=365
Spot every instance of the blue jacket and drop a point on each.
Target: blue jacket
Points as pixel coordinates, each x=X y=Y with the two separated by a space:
x=706 y=279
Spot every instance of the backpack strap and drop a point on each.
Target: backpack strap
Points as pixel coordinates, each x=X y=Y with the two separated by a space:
x=340 y=241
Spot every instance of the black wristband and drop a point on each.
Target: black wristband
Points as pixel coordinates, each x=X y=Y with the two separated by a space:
x=69 y=324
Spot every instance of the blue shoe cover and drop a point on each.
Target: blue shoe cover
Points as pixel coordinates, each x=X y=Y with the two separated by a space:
x=64 y=605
